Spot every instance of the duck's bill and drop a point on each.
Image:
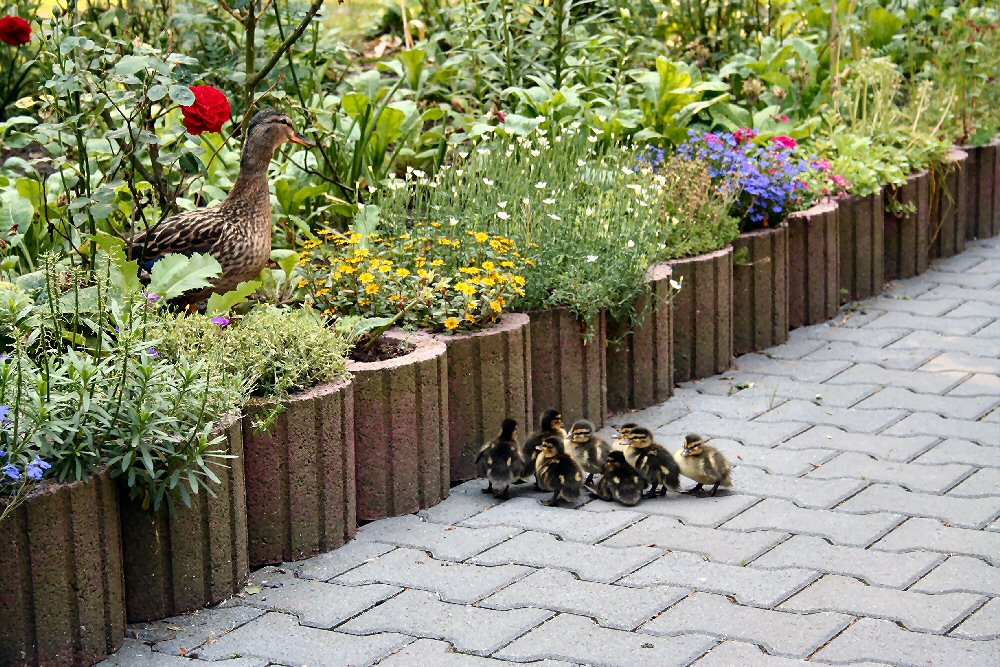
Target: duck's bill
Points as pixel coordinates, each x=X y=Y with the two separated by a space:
x=302 y=141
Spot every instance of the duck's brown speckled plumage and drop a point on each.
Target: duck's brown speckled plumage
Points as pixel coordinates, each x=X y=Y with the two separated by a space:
x=237 y=232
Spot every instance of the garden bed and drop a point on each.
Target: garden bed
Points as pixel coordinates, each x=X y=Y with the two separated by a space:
x=949 y=208
x=813 y=265
x=300 y=475
x=703 y=315
x=180 y=561
x=62 y=600
x=760 y=289
x=906 y=229
x=401 y=428
x=640 y=357
x=568 y=369
x=861 y=227
x=489 y=380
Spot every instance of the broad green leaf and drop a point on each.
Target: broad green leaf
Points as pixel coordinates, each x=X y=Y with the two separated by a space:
x=124 y=274
x=354 y=104
x=219 y=304
x=286 y=259
x=366 y=223
x=15 y=210
x=176 y=274
x=182 y=95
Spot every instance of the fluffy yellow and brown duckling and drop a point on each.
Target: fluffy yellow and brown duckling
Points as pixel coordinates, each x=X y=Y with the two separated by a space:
x=550 y=426
x=621 y=442
x=499 y=460
x=619 y=481
x=237 y=232
x=703 y=463
x=589 y=451
x=557 y=472
x=652 y=461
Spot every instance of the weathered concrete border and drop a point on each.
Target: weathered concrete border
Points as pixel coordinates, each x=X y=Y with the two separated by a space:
x=861 y=226
x=906 y=233
x=949 y=209
x=982 y=187
x=760 y=290
x=703 y=315
x=813 y=265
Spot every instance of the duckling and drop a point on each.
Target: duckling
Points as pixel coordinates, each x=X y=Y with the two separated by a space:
x=652 y=461
x=703 y=463
x=556 y=471
x=551 y=425
x=621 y=441
x=619 y=481
x=500 y=460
x=589 y=451
x=237 y=232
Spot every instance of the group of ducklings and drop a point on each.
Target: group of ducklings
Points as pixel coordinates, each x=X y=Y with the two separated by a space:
x=626 y=467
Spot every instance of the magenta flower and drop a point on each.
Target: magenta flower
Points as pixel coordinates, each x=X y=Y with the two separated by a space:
x=785 y=142
x=221 y=322
x=152 y=297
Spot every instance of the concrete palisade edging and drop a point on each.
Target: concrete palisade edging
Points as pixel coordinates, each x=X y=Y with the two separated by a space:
x=401 y=429
x=982 y=189
x=703 y=315
x=62 y=600
x=813 y=265
x=906 y=231
x=760 y=289
x=640 y=357
x=196 y=556
x=862 y=252
x=489 y=379
x=568 y=371
x=949 y=209
x=300 y=475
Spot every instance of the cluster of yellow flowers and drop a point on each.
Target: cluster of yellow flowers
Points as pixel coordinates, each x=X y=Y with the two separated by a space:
x=441 y=282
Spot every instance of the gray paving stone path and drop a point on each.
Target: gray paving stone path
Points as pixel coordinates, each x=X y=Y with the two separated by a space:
x=863 y=529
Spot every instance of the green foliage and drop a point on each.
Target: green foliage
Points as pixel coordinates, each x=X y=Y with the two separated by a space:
x=275 y=351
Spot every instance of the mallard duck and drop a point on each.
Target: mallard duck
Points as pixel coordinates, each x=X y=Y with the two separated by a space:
x=557 y=472
x=703 y=463
x=237 y=232
x=551 y=426
x=619 y=481
x=500 y=460
x=652 y=461
x=589 y=451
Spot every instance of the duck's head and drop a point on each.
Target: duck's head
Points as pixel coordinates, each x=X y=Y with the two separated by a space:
x=615 y=459
x=550 y=447
x=625 y=430
x=269 y=129
x=582 y=431
x=507 y=428
x=551 y=420
x=692 y=444
x=640 y=437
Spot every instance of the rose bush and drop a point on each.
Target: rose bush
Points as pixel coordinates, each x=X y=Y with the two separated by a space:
x=209 y=112
x=14 y=31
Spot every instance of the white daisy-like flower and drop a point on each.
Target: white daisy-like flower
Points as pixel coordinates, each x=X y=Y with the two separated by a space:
x=581 y=163
x=453 y=221
x=487 y=182
x=463 y=154
x=541 y=185
x=525 y=201
x=459 y=172
x=502 y=204
x=674 y=284
x=549 y=200
x=419 y=173
x=630 y=244
x=554 y=216
x=592 y=139
x=591 y=258
x=535 y=152
x=503 y=215
x=588 y=211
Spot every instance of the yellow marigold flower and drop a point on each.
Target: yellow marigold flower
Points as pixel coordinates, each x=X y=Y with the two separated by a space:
x=323 y=292
x=420 y=261
x=507 y=264
x=471 y=270
x=451 y=323
x=473 y=305
x=489 y=281
x=372 y=288
x=435 y=224
x=465 y=288
x=402 y=273
x=520 y=281
x=363 y=252
x=347 y=269
x=404 y=236
x=303 y=282
x=529 y=263
x=423 y=273
x=482 y=237
x=363 y=302
x=336 y=275
x=489 y=266
x=496 y=306
x=366 y=277
x=470 y=317
x=437 y=262
x=497 y=245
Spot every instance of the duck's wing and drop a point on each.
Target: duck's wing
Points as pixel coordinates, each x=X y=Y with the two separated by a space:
x=187 y=233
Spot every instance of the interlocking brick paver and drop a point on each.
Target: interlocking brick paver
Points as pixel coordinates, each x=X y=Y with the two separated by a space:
x=961 y=573
x=922 y=381
x=965 y=512
x=734 y=407
x=915 y=476
x=713 y=426
x=967 y=363
x=803 y=491
x=530 y=514
x=779 y=461
x=278 y=638
x=975 y=308
x=971 y=279
x=777 y=387
x=692 y=510
x=869 y=421
x=949 y=292
x=464 y=501
x=906 y=359
x=809 y=371
x=445 y=542
x=984 y=624
x=455 y=582
x=991 y=331
x=840 y=334
x=928 y=341
x=759 y=587
x=961 y=263
x=847 y=529
x=982 y=483
x=959 y=326
x=435 y=653
x=931 y=534
x=720 y=546
x=192 y=630
x=134 y=653
x=329 y=565
x=961 y=451
x=882 y=447
x=612 y=606
x=964 y=407
x=421 y=614
x=796 y=347
x=931 y=307
x=878 y=568
x=917 y=611
x=782 y=633
x=589 y=561
x=978 y=384
x=884 y=641
x=730 y=653
x=985 y=432
x=316 y=604
x=603 y=647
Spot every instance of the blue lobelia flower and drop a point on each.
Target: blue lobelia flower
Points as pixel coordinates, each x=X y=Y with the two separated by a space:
x=10 y=470
x=4 y=412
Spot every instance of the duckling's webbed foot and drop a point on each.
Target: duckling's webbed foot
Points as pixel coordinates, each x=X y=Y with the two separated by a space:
x=520 y=481
x=505 y=494
x=696 y=491
x=662 y=491
x=589 y=480
x=650 y=493
x=489 y=488
x=553 y=501
x=715 y=488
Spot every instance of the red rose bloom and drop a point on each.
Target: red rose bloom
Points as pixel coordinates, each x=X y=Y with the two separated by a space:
x=14 y=31
x=209 y=112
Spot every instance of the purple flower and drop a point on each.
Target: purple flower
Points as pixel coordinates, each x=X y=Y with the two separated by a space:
x=152 y=297
x=221 y=322
x=11 y=471
x=36 y=469
x=152 y=352
x=4 y=412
